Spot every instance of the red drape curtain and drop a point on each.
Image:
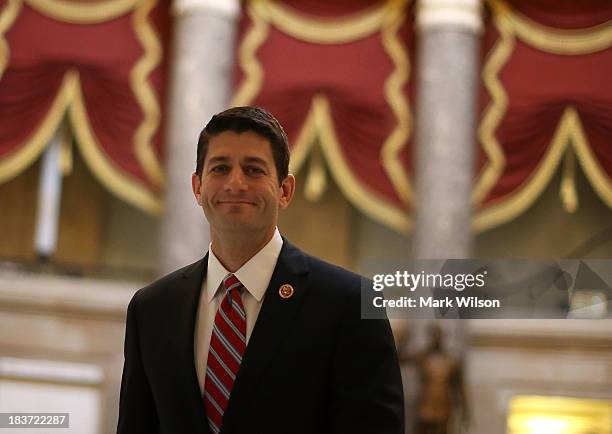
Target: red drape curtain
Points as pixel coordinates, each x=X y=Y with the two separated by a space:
x=546 y=93
x=103 y=73
x=349 y=88
x=544 y=97
x=340 y=72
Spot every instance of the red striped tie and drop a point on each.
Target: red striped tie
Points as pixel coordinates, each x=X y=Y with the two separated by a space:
x=227 y=345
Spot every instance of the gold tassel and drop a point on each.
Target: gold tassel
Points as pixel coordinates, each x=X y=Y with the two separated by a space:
x=316 y=180
x=66 y=157
x=567 y=191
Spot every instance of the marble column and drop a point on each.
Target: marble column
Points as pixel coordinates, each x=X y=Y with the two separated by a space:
x=448 y=33
x=202 y=59
x=447 y=80
x=49 y=198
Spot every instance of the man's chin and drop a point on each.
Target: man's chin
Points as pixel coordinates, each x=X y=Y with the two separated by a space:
x=236 y=222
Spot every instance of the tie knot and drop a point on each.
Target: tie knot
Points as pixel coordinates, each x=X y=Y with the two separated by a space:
x=231 y=282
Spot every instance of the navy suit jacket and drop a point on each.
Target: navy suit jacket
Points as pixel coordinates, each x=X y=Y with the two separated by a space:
x=312 y=365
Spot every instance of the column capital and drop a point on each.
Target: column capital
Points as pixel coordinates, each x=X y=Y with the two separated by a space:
x=449 y=14
x=226 y=8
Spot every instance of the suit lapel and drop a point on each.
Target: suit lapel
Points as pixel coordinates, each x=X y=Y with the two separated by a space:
x=187 y=293
x=271 y=328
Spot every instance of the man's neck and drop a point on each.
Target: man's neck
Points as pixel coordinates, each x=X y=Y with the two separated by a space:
x=235 y=249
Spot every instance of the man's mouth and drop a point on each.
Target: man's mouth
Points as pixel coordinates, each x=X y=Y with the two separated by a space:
x=235 y=202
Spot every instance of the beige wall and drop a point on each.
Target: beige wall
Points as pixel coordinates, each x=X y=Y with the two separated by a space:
x=64 y=321
x=566 y=358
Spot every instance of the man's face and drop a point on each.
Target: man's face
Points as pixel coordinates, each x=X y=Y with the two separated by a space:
x=238 y=188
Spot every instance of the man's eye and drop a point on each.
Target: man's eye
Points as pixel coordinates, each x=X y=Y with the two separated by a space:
x=219 y=169
x=254 y=170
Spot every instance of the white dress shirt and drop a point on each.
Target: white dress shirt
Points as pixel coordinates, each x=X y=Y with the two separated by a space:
x=255 y=275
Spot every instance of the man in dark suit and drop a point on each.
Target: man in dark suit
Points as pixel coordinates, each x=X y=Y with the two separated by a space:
x=257 y=337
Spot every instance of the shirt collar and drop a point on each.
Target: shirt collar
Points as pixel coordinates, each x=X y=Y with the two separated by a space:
x=255 y=274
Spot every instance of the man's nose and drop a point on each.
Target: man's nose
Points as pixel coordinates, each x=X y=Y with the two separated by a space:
x=235 y=180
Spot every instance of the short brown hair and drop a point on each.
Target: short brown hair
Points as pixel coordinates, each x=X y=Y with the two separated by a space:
x=240 y=120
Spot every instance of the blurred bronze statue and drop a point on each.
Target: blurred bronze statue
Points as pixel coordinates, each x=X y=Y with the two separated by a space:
x=442 y=405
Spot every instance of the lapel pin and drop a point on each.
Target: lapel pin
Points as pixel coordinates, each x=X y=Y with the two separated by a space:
x=285 y=291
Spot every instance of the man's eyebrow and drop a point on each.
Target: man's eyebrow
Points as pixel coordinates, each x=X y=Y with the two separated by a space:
x=218 y=159
x=256 y=160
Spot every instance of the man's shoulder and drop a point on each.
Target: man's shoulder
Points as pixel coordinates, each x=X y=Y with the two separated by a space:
x=166 y=286
x=331 y=277
x=334 y=291
x=320 y=267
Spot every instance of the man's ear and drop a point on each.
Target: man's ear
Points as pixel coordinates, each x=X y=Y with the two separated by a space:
x=287 y=191
x=196 y=186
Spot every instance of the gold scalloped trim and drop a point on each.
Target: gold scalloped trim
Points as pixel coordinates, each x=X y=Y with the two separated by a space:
x=568 y=133
x=330 y=30
x=567 y=189
x=495 y=112
x=369 y=202
x=66 y=160
x=395 y=98
x=304 y=143
x=83 y=13
x=7 y=18
x=600 y=180
x=16 y=162
x=247 y=58
x=98 y=161
x=316 y=177
x=147 y=100
x=553 y=40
